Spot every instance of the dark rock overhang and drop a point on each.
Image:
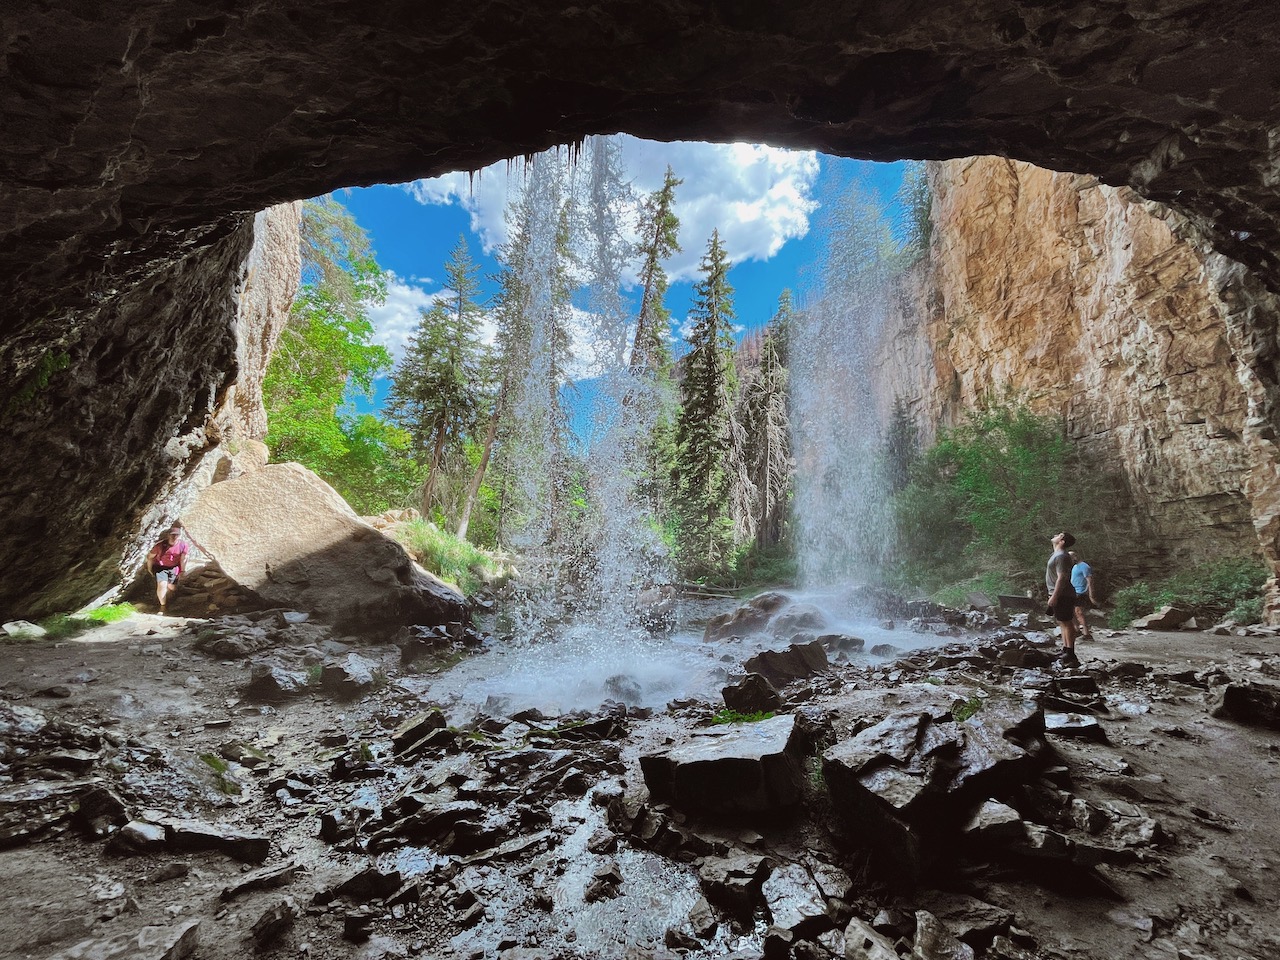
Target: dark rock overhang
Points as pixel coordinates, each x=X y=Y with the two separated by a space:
x=141 y=136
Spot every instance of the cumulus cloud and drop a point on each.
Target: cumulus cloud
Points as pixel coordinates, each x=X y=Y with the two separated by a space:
x=758 y=197
x=396 y=320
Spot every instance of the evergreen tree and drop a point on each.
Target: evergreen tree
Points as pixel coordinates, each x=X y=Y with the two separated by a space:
x=325 y=355
x=436 y=392
x=704 y=443
x=659 y=240
x=766 y=426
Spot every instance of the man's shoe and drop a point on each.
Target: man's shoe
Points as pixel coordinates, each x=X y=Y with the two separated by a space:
x=1069 y=659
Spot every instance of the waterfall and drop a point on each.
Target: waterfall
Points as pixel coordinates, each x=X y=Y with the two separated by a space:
x=844 y=530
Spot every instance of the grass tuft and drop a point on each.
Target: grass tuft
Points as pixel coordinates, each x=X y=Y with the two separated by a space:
x=733 y=716
x=455 y=561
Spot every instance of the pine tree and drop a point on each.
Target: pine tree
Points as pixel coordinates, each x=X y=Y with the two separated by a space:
x=435 y=392
x=704 y=442
x=766 y=425
x=659 y=240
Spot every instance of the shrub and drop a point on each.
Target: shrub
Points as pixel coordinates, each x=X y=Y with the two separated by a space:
x=456 y=561
x=1207 y=590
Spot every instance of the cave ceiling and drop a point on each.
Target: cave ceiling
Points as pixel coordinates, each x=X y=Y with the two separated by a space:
x=140 y=136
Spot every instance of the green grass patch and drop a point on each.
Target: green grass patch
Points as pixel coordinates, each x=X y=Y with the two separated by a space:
x=993 y=583
x=111 y=613
x=455 y=561
x=733 y=716
x=962 y=710
x=1209 y=590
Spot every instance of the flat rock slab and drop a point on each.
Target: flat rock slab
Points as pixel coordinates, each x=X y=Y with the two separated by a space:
x=1077 y=725
x=735 y=769
x=197 y=835
x=798 y=661
x=1254 y=702
x=150 y=943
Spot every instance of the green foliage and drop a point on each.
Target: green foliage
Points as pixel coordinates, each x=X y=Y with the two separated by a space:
x=453 y=560
x=985 y=499
x=703 y=444
x=915 y=199
x=733 y=716
x=324 y=358
x=63 y=626
x=111 y=613
x=962 y=710
x=51 y=362
x=1207 y=590
x=991 y=582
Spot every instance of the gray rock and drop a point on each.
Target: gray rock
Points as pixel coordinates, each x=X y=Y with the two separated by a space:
x=271 y=682
x=1076 y=726
x=735 y=768
x=794 y=901
x=995 y=822
x=197 y=835
x=416 y=728
x=751 y=617
x=266 y=879
x=1166 y=618
x=733 y=883
x=351 y=676
x=149 y=943
x=274 y=922
x=137 y=836
x=863 y=943
x=973 y=921
x=935 y=942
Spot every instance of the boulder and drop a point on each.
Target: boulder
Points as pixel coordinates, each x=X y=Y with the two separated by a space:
x=794 y=901
x=271 y=682
x=798 y=661
x=733 y=883
x=351 y=676
x=1253 y=702
x=149 y=943
x=745 y=768
x=751 y=617
x=861 y=942
x=935 y=942
x=753 y=694
x=285 y=534
x=1166 y=618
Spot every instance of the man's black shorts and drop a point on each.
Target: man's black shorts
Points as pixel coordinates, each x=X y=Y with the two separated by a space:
x=1065 y=610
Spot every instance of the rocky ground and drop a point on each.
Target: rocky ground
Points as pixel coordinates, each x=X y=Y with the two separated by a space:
x=177 y=787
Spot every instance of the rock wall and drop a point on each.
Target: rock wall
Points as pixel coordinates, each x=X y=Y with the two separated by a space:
x=1085 y=300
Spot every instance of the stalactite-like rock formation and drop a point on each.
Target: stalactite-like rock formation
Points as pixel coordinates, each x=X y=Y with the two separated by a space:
x=142 y=136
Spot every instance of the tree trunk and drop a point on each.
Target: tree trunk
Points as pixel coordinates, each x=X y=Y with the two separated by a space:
x=478 y=477
x=428 y=487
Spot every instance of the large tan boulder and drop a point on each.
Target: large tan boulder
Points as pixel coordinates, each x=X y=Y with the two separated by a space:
x=284 y=533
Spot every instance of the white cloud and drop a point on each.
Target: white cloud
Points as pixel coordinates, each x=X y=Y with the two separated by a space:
x=758 y=197
x=396 y=320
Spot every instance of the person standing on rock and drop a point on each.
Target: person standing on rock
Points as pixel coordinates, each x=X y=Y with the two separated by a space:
x=1062 y=596
x=167 y=560
x=1082 y=584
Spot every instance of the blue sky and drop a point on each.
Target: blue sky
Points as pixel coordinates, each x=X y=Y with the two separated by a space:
x=766 y=202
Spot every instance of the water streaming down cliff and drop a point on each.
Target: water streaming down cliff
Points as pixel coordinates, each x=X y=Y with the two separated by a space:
x=585 y=535
x=843 y=531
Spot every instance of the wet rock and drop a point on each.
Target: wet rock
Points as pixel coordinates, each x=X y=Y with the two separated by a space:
x=350 y=677
x=150 y=943
x=266 y=879
x=624 y=689
x=416 y=728
x=99 y=810
x=338 y=824
x=754 y=694
x=58 y=691
x=737 y=768
x=935 y=942
x=794 y=901
x=137 y=836
x=356 y=925
x=1075 y=725
x=698 y=926
x=274 y=922
x=196 y=835
x=271 y=682
x=842 y=642
x=1254 y=702
x=604 y=883
x=995 y=822
x=242 y=753
x=751 y=617
x=884 y=650
x=29 y=809
x=798 y=661
x=733 y=883
x=370 y=884
x=861 y=942
x=973 y=921
x=800 y=616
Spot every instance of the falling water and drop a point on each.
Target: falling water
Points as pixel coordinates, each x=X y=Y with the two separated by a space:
x=843 y=529
x=582 y=564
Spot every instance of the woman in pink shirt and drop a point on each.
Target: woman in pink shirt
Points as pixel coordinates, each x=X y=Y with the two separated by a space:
x=168 y=561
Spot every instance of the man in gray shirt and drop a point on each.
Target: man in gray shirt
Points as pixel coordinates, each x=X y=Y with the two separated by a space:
x=1062 y=596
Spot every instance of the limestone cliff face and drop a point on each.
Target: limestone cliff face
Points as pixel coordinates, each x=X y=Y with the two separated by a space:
x=1084 y=299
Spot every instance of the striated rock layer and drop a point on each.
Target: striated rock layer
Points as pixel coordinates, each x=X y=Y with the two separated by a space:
x=143 y=136
x=1087 y=301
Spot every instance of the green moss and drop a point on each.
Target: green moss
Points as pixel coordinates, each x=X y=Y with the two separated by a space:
x=52 y=362
x=733 y=716
x=962 y=710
